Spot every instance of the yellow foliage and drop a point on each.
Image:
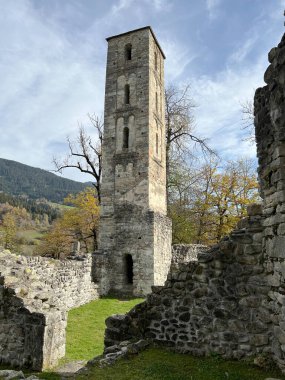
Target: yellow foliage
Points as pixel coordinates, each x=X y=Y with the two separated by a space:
x=8 y=231
x=77 y=223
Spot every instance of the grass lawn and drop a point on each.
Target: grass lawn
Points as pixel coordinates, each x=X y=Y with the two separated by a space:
x=31 y=234
x=160 y=364
x=86 y=326
x=85 y=334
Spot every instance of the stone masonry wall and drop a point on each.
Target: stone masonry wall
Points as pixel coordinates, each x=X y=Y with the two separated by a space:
x=146 y=236
x=134 y=227
x=270 y=137
x=35 y=295
x=232 y=299
x=216 y=304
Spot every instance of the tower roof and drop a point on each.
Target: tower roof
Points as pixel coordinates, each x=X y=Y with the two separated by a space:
x=136 y=30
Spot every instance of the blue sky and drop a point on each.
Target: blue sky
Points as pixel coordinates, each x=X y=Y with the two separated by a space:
x=53 y=53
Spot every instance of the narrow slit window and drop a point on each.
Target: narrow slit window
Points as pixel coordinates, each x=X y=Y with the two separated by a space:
x=155 y=61
x=156 y=101
x=128 y=52
x=127 y=94
x=156 y=144
x=129 y=269
x=126 y=134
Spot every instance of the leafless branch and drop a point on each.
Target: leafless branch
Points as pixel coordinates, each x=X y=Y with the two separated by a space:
x=247 y=109
x=84 y=153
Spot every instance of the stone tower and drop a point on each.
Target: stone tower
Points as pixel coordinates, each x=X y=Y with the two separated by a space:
x=135 y=233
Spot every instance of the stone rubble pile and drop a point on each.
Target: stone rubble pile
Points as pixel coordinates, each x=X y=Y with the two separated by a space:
x=124 y=349
x=15 y=375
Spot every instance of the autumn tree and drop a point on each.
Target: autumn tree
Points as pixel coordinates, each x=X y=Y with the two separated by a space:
x=83 y=217
x=214 y=201
x=85 y=153
x=8 y=230
x=182 y=180
x=79 y=222
x=232 y=190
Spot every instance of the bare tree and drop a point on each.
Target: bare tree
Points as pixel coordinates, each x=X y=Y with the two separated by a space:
x=180 y=126
x=247 y=109
x=85 y=154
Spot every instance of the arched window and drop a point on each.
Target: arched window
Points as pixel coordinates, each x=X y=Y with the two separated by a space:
x=129 y=269
x=126 y=138
x=127 y=94
x=156 y=144
x=155 y=61
x=128 y=52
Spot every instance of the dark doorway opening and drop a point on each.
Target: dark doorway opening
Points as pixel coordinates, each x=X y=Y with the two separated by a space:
x=129 y=269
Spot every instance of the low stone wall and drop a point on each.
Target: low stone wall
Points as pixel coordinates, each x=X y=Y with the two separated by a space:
x=216 y=304
x=184 y=253
x=35 y=295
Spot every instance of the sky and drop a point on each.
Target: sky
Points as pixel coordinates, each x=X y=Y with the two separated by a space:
x=53 y=57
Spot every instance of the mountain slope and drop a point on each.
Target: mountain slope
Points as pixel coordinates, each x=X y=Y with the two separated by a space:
x=20 y=179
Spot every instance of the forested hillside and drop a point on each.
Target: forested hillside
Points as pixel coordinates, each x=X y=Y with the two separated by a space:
x=20 y=179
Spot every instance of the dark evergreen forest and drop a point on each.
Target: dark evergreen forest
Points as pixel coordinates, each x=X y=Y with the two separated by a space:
x=23 y=180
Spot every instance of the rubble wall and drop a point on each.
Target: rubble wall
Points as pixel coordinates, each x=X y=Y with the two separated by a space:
x=269 y=104
x=215 y=304
x=35 y=295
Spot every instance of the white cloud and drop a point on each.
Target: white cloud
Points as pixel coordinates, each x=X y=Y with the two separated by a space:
x=52 y=69
x=178 y=57
x=46 y=85
x=219 y=116
x=161 y=5
x=212 y=8
x=242 y=52
x=121 y=5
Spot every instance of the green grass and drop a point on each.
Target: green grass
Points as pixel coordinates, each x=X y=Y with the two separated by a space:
x=160 y=364
x=86 y=326
x=59 y=206
x=31 y=234
x=85 y=334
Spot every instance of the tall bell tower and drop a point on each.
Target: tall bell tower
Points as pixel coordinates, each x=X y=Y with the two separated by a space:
x=135 y=233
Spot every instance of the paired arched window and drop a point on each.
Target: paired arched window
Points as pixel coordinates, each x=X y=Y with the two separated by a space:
x=127 y=94
x=126 y=135
x=128 y=52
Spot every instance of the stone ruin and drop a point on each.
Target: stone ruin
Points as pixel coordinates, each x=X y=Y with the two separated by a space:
x=135 y=232
x=35 y=296
x=231 y=301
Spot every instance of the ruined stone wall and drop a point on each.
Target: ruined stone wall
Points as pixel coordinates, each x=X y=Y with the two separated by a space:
x=35 y=295
x=232 y=299
x=184 y=253
x=270 y=137
x=216 y=304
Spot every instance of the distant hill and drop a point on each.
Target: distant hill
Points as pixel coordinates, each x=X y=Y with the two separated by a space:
x=20 y=179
